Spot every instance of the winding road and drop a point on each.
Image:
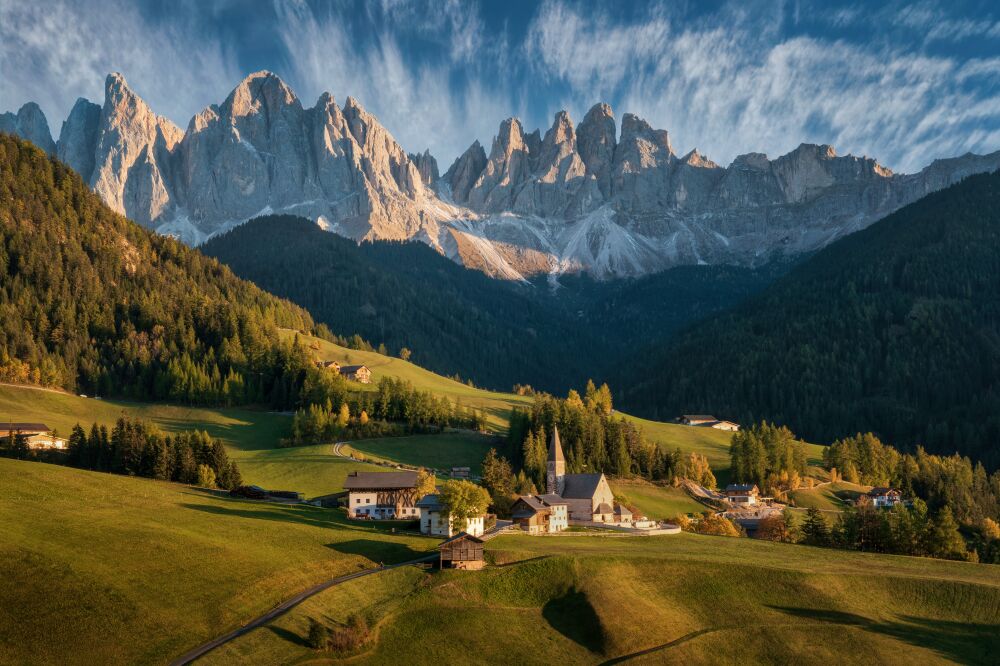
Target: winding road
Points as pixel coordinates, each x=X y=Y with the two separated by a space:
x=284 y=607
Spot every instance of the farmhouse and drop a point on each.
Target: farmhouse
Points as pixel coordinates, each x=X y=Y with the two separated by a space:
x=332 y=366
x=742 y=493
x=540 y=514
x=381 y=495
x=26 y=429
x=885 y=497
x=462 y=551
x=46 y=442
x=433 y=520
x=357 y=373
x=707 y=421
x=696 y=419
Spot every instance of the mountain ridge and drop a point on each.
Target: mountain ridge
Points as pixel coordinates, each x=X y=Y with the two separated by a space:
x=586 y=198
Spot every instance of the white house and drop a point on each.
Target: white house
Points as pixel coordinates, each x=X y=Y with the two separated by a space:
x=742 y=494
x=46 y=441
x=382 y=495
x=885 y=498
x=434 y=522
x=728 y=426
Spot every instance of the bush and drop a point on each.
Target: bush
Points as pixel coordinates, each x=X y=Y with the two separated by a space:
x=319 y=635
x=206 y=476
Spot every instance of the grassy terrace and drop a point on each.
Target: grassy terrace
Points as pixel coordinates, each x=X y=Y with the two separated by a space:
x=657 y=502
x=109 y=569
x=684 y=598
x=829 y=497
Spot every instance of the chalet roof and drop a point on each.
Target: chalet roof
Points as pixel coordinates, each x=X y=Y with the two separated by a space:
x=551 y=499
x=699 y=417
x=430 y=502
x=348 y=369
x=741 y=487
x=461 y=536
x=555 y=447
x=533 y=503
x=880 y=491
x=360 y=480
x=581 y=486
x=25 y=428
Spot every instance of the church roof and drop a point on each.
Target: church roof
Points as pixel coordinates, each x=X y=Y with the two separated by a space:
x=581 y=486
x=555 y=447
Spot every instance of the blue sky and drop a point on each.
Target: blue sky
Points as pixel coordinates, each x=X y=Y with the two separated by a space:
x=903 y=82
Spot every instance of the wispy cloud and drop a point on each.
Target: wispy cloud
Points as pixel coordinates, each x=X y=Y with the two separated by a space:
x=733 y=83
x=54 y=52
x=905 y=82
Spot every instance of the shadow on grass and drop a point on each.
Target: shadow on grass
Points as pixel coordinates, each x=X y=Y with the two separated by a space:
x=964 y=642
x=386 y=552
x=573 y=616
x=289 y=636
x=286 y=513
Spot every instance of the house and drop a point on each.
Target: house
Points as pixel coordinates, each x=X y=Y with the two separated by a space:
x=461 y=472
x=742 y=493
x=332 y=366
x=697 y=419
x=726 y=425
x=357 y=373
x=885 y=497
x=26 y=429
x=381 y=495
x=46 y=442
x=433 y=520
x=540 y=514
x=463 y=551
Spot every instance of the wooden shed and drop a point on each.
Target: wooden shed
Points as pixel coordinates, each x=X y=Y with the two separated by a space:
x=462 y=551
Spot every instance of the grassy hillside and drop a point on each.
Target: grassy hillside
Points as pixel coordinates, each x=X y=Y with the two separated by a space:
x=449 y=449
x=657 y=502
x=829 y=497
x=684 y=598
x=110 y=569
x=496 y=405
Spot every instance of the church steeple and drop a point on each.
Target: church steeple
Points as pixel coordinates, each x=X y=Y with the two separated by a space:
x=555 y=478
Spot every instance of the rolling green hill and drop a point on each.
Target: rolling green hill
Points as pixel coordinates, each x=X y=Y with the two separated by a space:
x=108 y=569
x=892 y=330
x=828 y=497
x=674 y=599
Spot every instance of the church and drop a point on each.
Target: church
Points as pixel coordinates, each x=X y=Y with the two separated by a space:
x=588 y=497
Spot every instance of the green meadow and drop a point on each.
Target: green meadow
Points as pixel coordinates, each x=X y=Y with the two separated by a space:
x=685 y=599
x=828 y=497
x=104 y=569
x=657 y=502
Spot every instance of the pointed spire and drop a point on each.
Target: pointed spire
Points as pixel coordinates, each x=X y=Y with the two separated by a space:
x=555 y=447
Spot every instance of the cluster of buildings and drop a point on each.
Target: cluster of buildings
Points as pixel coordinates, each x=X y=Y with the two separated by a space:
x=354 y=373
x=582 y=499
x=38 y=436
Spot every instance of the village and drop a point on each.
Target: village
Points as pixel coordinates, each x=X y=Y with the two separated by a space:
x=581 y=502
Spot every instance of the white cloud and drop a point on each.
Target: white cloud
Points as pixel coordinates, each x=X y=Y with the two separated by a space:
x=54 y=52
x=734 y=85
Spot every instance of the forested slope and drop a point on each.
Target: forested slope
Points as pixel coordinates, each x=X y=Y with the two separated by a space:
x=894 y=329
x=92 y=302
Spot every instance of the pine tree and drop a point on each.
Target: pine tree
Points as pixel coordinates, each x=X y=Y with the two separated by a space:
x=815 y=531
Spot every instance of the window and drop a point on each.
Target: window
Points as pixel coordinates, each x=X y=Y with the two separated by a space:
x=368 y=500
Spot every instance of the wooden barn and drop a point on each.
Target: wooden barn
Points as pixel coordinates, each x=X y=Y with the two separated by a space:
x=357 y=373
x=462 y=551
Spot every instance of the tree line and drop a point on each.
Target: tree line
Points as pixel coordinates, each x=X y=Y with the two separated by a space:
x=135 y=448
x=396 y=408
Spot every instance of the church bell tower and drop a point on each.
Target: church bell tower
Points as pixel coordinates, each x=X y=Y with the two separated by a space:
x=555 y=478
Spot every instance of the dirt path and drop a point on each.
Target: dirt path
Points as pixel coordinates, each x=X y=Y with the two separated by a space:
x=284 y=607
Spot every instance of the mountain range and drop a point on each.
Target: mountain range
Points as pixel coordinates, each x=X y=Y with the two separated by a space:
x=586 y=198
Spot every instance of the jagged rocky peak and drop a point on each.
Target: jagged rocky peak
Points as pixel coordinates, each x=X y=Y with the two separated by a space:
x=30 y=124
x=427 y=166
x=756 y=161
x=596 y=142
x=507 y=168
x=697 y=160
x=635 y=130
x=260 y=91
x=462 y=175
x=78 y=137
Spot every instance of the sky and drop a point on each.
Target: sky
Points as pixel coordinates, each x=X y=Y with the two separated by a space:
x=902 y=82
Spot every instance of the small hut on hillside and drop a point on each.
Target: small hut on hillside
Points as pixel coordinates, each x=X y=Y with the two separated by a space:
x=462 y=551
